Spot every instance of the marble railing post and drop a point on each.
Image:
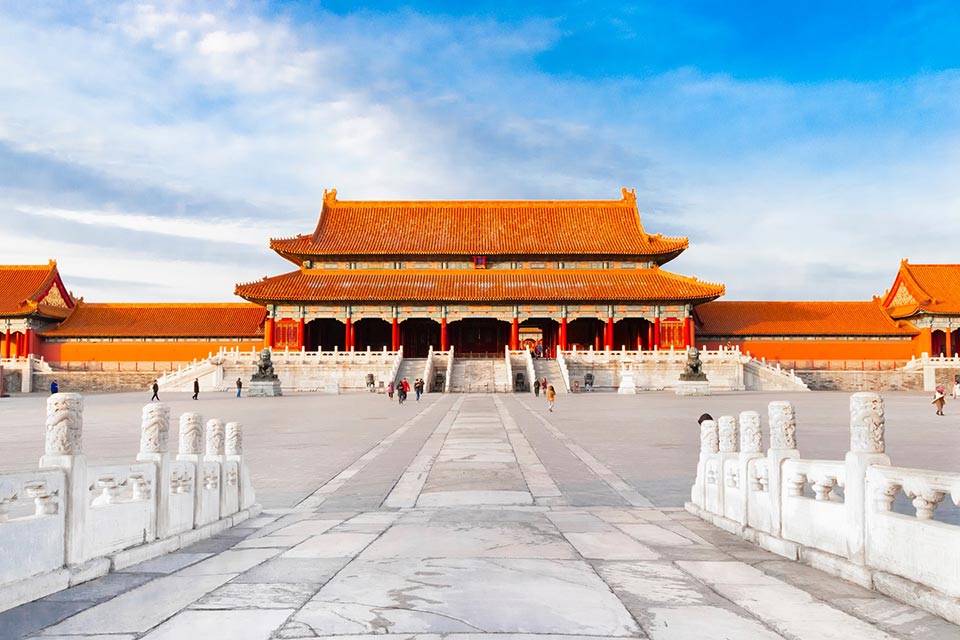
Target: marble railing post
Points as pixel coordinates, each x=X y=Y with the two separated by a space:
x=867 y=447
x=234 y=452
x=728 y=435
x=64 y=449
x=190 y=449
x=709 y=446
x=783 y=446
x=216 y=452
x=154 y=447
x=751 y=448
x=190 y=437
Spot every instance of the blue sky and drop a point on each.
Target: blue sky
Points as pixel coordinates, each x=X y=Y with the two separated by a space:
x=805 y=148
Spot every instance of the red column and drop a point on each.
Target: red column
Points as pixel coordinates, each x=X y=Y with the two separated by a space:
x=656 y=332
x=649 y=335
x=563 y=334
x=300 y=331
x=6 y=345
x=268 y=333
x=693 y=333
x=608 y=338
x=444 y=341
x=349 y=335
x=686 y=332
x=395 y=335
x=947 y=348
x=515 y=334
x=28 y=342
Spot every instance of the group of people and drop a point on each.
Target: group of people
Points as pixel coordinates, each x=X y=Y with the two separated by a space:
x=548 y=391
x=155 y=387
x=402 y=388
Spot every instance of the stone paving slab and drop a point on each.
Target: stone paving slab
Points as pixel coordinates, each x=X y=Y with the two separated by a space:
x=423 y=541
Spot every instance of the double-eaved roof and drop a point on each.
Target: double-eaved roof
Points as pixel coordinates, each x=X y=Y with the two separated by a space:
x=486 y=286
x=528 y=231
x=505 y=228
x=924 y=288
x=27 y=290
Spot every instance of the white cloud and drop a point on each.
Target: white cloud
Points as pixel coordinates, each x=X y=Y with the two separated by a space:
x=771 y=180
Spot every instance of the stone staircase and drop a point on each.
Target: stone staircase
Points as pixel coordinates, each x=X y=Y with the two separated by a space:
x=480 y=375
x=411 y=369
x=550 y=369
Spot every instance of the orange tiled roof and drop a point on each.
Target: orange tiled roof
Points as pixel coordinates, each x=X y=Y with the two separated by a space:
x=777 y=318
x=933 y=288
x=163 y=320
x=27 y=289
x=488 y=286
x=479 y=227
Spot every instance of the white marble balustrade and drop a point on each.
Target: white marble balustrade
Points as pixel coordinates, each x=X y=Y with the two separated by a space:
x=71 y=521
x=836 y=515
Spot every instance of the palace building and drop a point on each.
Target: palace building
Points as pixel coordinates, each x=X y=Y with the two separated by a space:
x=479 y=276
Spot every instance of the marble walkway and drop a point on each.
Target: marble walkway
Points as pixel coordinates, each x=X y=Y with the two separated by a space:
x=476 y=517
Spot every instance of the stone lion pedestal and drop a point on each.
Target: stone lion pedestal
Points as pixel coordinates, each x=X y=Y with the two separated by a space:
x=264 y=382
x=693 y=381
x=692 y=388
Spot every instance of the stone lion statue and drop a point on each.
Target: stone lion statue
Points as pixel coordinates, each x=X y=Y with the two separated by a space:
x=693 y=371
x=265 y=367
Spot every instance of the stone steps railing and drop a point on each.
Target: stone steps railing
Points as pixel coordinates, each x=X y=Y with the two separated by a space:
x=835 y=515
x=71 y=521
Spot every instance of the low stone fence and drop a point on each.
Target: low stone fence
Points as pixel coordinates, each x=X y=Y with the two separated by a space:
x=835 y=515
x=70 y=521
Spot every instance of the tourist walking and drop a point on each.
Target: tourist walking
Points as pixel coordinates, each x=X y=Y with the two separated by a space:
x=156 y=388
x=54 y=387
x=390 y=390
x=543 y=385
x=939 y=398
x=551 y=396
x=536 y=389
x=418 y=388
x=956 y=389
x=196 y=388
x=239 y=386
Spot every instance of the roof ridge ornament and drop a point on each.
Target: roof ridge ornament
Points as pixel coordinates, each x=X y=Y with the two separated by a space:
x=330 y=197
x=629 y=195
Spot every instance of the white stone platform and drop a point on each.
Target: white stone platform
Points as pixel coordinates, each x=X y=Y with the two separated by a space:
x=478 y=515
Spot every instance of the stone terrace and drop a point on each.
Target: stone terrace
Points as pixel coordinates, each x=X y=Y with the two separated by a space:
x=474 y=515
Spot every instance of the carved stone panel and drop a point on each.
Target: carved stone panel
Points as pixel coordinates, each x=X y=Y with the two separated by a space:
x=727 y=428
x=783 y=425
x=751 y=435
x=155 y=428
x=191 y=434
x=215 y=437
x=709 y=437
x=234 y=439
x=866 y=423
x=64 y=425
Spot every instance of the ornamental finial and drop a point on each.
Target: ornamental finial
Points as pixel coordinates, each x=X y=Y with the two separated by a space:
x=329 y=197
x=629 y=195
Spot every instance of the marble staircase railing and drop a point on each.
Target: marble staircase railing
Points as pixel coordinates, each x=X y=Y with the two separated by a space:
x=835 y=515
x=71 y=521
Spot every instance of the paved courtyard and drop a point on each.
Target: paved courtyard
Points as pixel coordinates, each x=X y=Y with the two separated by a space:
x=469 y=515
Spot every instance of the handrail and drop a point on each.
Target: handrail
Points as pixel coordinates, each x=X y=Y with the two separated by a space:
x=509 y=366
x=428 y=369
x=448 y=383
x=564 y=371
